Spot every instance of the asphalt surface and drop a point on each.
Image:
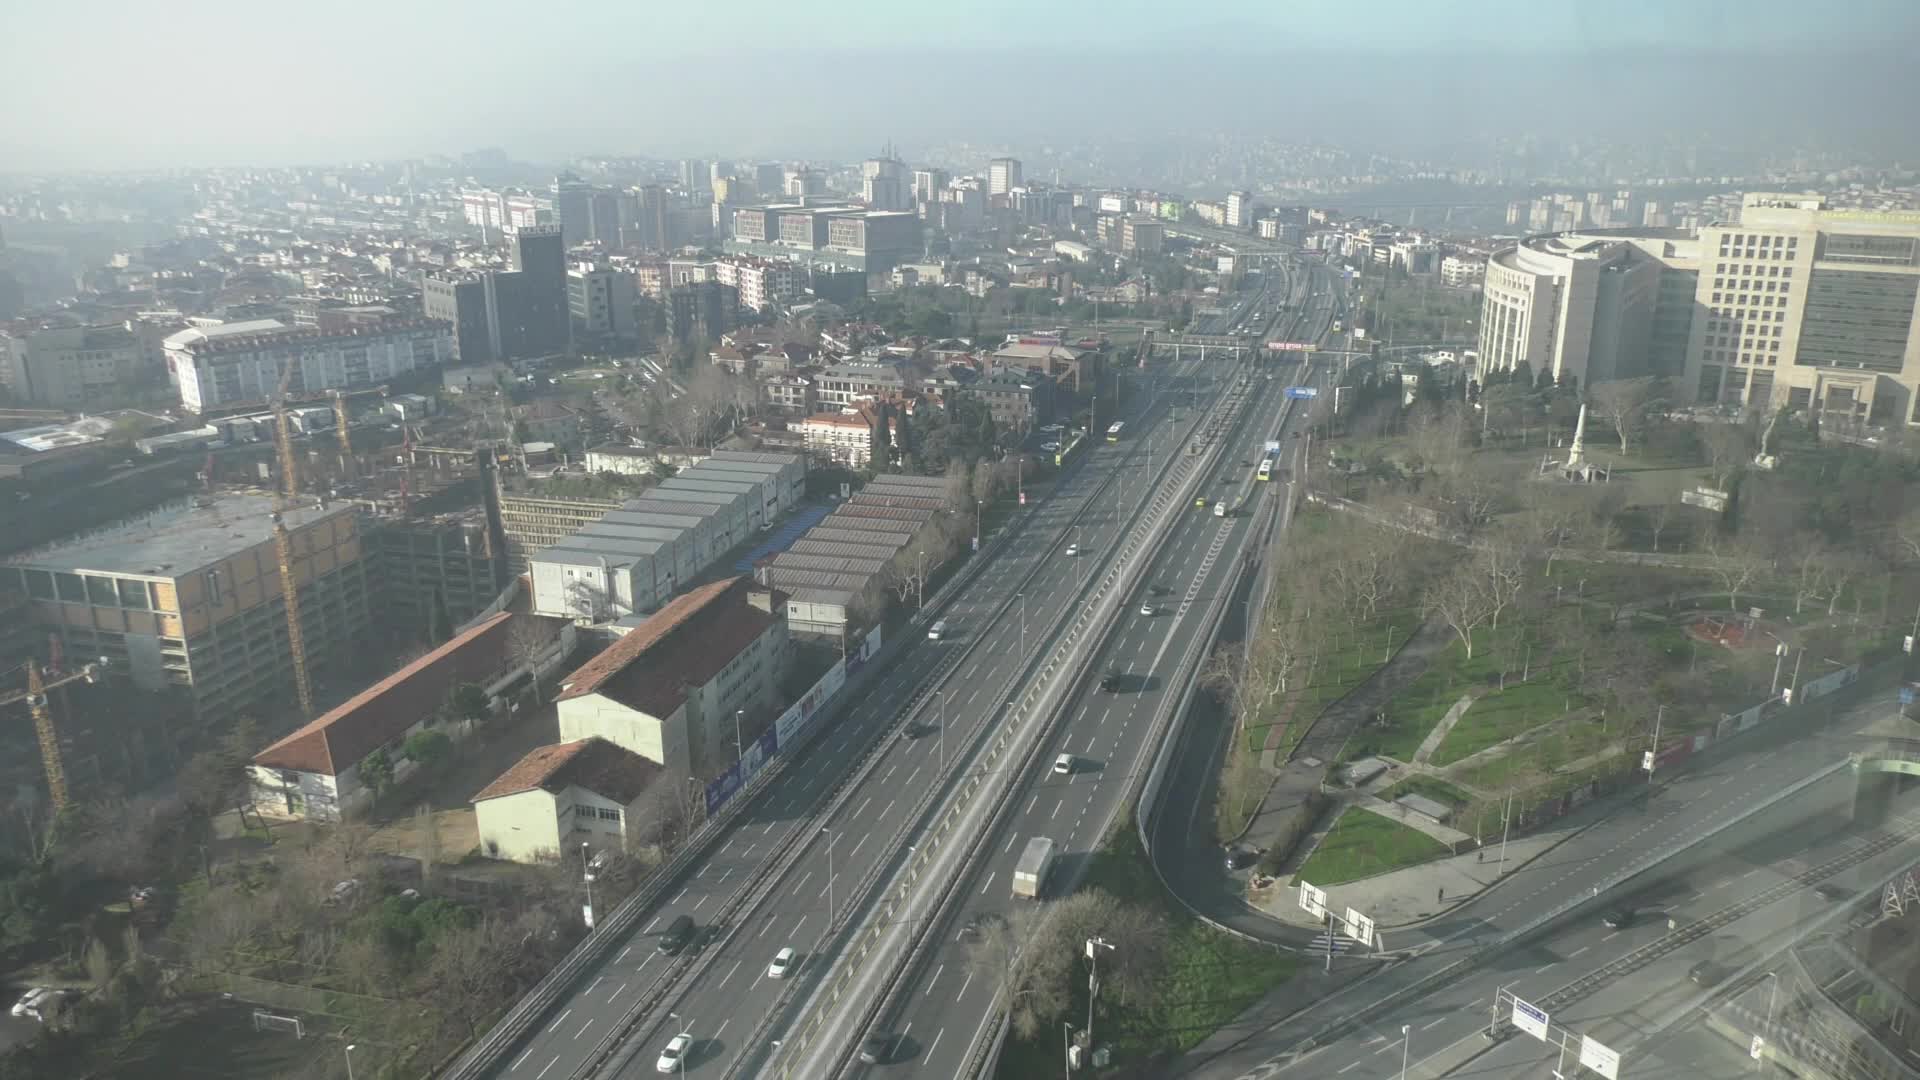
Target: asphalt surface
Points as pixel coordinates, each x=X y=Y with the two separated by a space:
x=1708 y=794
x=1105 y=733
x=734 y=991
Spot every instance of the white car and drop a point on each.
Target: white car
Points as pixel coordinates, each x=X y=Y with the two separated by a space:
x=674 y=1054
x=1148 y=610
x=36 y=1003
x=1050 y=447
x=782 y=963
x=1073 y=549
x=1063 y=765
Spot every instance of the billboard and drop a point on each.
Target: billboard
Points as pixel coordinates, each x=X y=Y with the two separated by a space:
x=1359 y=927
x=1313 y=900
x=1530 y=1019
x=1598 y=1058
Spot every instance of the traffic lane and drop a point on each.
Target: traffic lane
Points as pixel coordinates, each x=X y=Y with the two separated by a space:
x=722 y=995
x=750 y=842
x=1105 y=741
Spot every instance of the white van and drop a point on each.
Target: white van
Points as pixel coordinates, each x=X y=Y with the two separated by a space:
x=937 y=631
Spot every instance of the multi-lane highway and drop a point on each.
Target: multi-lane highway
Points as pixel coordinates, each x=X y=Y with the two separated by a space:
x=732 y=984
x=1345 y=1035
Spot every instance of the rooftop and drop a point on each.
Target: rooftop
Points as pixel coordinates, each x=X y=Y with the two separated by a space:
x=594 y=764
x=684 y=644
x=379 y=714
x=178 y=538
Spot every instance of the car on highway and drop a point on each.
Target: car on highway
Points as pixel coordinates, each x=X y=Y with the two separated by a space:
x=874 y=1050
x=937 y=631
x=1063 y=765
x=1827 y=890
x=1239 y=858
x=782 y=963
x=672 y=1058
x=1051 y=429
x=1073 y=549
x=1111 y=681
x=677 y=934
x=1200 y=501
x=1149 y=610
x=1709 y=972
x=1620 y=918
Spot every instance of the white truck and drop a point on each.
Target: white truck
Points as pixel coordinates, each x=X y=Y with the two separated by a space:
x=1030 y=874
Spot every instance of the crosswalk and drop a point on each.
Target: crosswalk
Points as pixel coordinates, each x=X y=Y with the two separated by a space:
x=1341 y=943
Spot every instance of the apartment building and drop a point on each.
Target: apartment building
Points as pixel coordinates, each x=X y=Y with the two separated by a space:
x=762 y=283
x=844 y=385
x=1458 y=271
x=845 y=438
x=71 y=367
x=242 y=362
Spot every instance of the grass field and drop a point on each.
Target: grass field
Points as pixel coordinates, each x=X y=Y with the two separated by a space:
x=1362 y=844
x=1211 y=977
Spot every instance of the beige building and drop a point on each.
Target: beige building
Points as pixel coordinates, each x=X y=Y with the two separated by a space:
x=1808 y=307
x=562 y=796
x=1591 y=306
x=844 y=437
x=671 y=688
x=72 y=367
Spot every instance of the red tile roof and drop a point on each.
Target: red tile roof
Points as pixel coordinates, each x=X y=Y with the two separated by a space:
x=604 y=768
x=379 y=714
x=684 y=644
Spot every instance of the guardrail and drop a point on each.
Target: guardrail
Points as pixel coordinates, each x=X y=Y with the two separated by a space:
x=792 y=847
x=1164 y=504
x=485 y=1054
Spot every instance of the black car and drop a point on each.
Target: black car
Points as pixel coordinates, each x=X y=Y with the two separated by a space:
x=1827 y=890
x=1239 y=858
x=1159 y=590
x=1708 y=973
x=874 y=1050
x=1110 y=682
x=1621 y=918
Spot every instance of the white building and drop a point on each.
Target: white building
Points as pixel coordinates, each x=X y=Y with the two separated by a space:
x=1458 y=271
x=560 y=797
x=673 y=688
x=239 y=362
x=1240 y=210
x=625 y=460
x=843 y=437
x=762 y=283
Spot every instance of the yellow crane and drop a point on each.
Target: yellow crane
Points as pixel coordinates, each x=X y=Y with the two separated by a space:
x=283 y=542
x=35 y=695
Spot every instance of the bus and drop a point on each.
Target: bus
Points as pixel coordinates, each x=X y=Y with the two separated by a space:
x=1113 y=431
x=1266 y=468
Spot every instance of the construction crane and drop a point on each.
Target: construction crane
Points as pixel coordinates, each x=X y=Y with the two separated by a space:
x=35 y=695
x=341 y=428
x=283 y=544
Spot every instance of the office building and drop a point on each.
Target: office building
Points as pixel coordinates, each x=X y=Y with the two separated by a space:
x=520 y=314
x=929 y=183
x=693 y=175
x=573 y=206
x=1003 y=175
x=769 y=180
x=1582 y=306
x=884 y=184
x=186 y=601
x=845 y=438
x=533 y=522
x=803 y=182
x=602 y=302
x=1809 y=307
x=702 y=309
x=242 y=363
x=72 y=367
x=431 y=574
x=1458 y=271
x=1143 y=236
x=1239 y=210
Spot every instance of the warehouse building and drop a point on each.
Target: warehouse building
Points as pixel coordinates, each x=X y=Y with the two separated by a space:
x=834 y=574
x=634 y=559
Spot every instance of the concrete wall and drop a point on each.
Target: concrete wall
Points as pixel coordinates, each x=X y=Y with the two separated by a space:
x=523 y=827
x=653 y=738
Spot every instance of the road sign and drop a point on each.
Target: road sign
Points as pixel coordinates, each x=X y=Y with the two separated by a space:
x=1759 y=1045
x=1530 y=1019
x=1313 y=900
x=1597 y=1057
x=1302 y=392
x=1646 y=761
x=1359 y=927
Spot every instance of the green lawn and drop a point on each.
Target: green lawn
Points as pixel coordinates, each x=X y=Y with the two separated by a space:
x=1362 y=844
x=1211 y=977
x=1352 y=656
x=1502 y=714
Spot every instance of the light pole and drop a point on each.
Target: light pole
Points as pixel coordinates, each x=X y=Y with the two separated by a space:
x=1023 y=624
x=1066 y=1048
x=686 y=1027
x=906 y=943
x=832 y=907
x=350 y=1050
x=586 y=875
x=978 y=506
x=1773 y=988
x=1506 y=828
x=1653 y=754
x=1406 y=1047
x=739 y=744
x=1094 y=945
x=943 y=727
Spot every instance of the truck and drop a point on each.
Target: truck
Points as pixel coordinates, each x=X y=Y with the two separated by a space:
x=1030 y=875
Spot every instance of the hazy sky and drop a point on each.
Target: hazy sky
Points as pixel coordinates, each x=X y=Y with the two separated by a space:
x=132 y=83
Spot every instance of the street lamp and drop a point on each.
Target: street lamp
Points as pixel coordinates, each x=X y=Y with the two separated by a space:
x=944 y=694
x=1406 y=1045
x=739 y=744
x=350 y=1050
x=1094 y=945
x=686 y=1026
x=1023 y=624
x=978 y=506
x=1066 y=1048
x=832 y=907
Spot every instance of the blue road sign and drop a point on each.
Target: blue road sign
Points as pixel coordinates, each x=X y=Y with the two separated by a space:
x=1302 y=392
x=1906 y=695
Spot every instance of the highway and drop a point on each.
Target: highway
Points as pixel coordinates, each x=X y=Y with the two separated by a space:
x=1347 y=1032
x=731 y=991
x=947 y=1002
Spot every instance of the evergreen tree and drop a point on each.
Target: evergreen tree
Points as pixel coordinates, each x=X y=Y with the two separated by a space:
x=882 y=438
x=1544 y=383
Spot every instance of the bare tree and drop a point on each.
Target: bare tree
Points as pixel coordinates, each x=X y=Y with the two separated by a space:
x=1460 y=600
x=1728 y=447
x=1050 y=962
x=1503 y=570
x=1626 y=403
x=1659 y=516
x=1735 y=564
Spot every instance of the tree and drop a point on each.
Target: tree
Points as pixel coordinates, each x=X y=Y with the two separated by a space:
x=427 y=747
x=376 y=771
x=1626 y=404
x=1460 y=600
x=468 y=701
x=1502 y=568
x=1728 y=447
x=1735 y=565
x=1044 y=968
x=1658 y=517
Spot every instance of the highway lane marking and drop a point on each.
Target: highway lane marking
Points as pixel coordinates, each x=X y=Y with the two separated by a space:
x=522 y=1060
x=721 y=1028
x=889 y=810
x=1056 y=808
x=596 y=984
x=968 y=981
x=1546 y=967
x=1348 y=1069
x=703 y=900
x=732 y=970
x=803 y=880
x=1751 y=872
x=935 y=1042
x=864 y=837
x=617 y=991
x=1611 y=936
x=988 y=883
x=1009 y=846
x=1385 y=1047
x=889 y=773
x=722 y=879
x=561 y=1020
x=583 y=1029
x=912 y=776
x=550 y=1064
x=1578 y=951
x=863 y=807
x=1032 y=801
x=934 y=979
x=628 y=949
x=1434 y=1024
x=678 y=895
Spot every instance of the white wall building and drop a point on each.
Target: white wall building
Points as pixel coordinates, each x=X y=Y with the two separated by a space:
x=242 y=362
x=559 y=797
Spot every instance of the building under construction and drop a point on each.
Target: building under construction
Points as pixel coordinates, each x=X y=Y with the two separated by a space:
x=186 y=602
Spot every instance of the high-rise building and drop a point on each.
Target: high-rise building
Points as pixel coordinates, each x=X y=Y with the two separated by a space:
x=928 y=183
x=884 y=183
x=701 y=309
x=693 y=174
x=601 y=301
x=533 y=306
x=803 y=181
x=1142 y=235
x=573 y=206
x=1240 y=210
x=1003 y=175
x=243 y=362
x=1809 y=307
x=769 y=180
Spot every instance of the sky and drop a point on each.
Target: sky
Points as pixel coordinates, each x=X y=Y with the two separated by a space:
x=134 y=84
